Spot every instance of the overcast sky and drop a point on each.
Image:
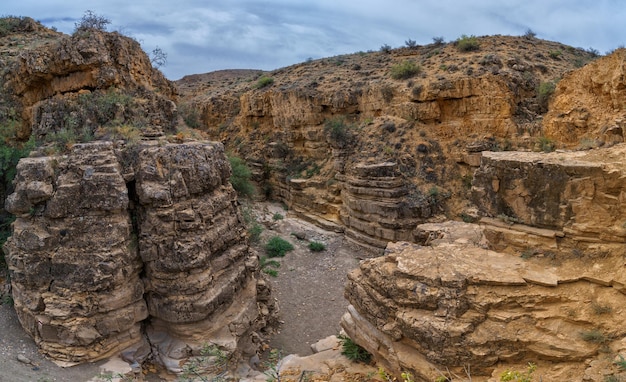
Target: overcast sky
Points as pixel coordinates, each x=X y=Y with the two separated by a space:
x=202 y=36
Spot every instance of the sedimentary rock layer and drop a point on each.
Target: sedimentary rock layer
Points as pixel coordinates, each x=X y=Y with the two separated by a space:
x=73 y=261
x=565 y=200
x=200 y=284
x=106 y=238
x=456 y=305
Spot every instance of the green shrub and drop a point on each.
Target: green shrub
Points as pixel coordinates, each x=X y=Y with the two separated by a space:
x=594 y=335
x=339 y=132
x=10 y=153
x=546 y=144
x=240 y=177
x=254 y=232
x=263 y=81
x=387 y=92
x=404 y=70
x=544 y=92
x=467 y=43
x=621 y=363
x=600 y=309
x=385 y=48
x=353 y=351
x=269 y=266
x=190 y=115
x=316 y=246
x=5 y=232
x=277 y=216
x=277 y=247
x=10 y=24
x=517 y=376
x=555 y=54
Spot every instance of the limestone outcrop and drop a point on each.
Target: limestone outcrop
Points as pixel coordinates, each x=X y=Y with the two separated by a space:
x=568 y=201
x=449 y=306
x=587 y=106
x=116 y=245
x=540 y=279
x=379 y=206
x=48 y=80
x=75 y=270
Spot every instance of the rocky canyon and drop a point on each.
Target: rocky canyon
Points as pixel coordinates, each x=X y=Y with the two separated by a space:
x=482 y=191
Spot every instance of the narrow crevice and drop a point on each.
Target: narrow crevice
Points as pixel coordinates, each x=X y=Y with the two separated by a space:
x=134 y=213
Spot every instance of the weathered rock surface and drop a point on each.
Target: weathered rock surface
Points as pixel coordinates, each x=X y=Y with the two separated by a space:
x=75 y=270
x=565 y=200
x=378 y=205
x=84 y=61
x=588 y=103
x=547 y=285
x=104 y=246
x=433 y=125
x=425 y=309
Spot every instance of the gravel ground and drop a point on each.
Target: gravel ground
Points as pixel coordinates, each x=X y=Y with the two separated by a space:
x=309 y=286
x=15 y=342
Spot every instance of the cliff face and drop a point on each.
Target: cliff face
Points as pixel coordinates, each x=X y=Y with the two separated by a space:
x=75 y=270
x=306 y=132
x=113 y=246
x=588 y=105
x=43 y=77
x=541 y=279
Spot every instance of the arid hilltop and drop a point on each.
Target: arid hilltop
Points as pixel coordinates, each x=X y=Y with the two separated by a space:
x=481 y=179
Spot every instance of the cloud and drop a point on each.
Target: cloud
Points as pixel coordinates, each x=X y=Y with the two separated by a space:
x=201 y=36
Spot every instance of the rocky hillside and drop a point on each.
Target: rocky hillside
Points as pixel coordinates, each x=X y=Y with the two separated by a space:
x=420 y=115
x=385 y=146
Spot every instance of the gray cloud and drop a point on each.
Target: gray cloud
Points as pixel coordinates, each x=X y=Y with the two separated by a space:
x=201 y=36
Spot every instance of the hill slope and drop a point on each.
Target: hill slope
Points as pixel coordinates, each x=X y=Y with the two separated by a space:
x=427 y=111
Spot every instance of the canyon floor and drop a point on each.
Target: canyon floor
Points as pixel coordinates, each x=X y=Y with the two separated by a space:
x=309 y=289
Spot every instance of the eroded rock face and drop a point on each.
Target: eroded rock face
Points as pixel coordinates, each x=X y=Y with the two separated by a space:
x=47 y=79
x=378 y=205
x=425 y=309
x=575 y=198
x=200 y=274
x=75 y=271
x=545 y=284
x=103 y=242
x=588 y=103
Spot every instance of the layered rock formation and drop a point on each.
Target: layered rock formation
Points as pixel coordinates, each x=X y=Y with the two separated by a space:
x=432 y=125
x=43 y=79
x=574 y=198
x=111 y=240
x=75 y=270
x=379 y=206
x=542 y=280
x=200 y=276
x=450 y=306
x=587 y=107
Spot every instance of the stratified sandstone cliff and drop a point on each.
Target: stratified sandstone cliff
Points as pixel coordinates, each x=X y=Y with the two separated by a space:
x=113 y=246
x=44 y=79
x=547 y=286
x=431 y=125
x=588 y=106
x=75 y=269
